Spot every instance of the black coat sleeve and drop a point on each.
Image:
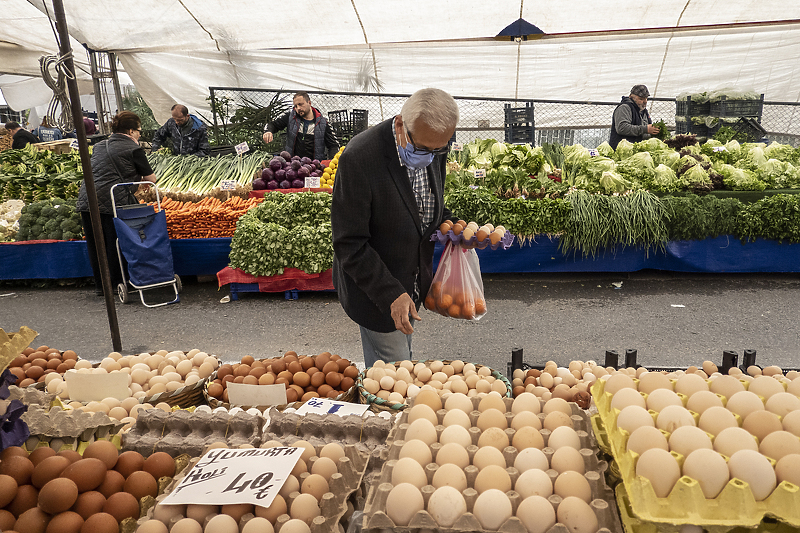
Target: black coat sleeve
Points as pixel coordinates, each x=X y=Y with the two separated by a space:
x=278 y=124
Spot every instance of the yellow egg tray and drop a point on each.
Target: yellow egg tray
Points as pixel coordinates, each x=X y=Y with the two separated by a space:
x=735 y=506
x=12 y=344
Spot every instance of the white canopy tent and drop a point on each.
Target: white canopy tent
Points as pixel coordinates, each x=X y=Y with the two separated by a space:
x=173 y=51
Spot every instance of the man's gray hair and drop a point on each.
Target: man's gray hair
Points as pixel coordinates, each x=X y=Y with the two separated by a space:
x=434 y=107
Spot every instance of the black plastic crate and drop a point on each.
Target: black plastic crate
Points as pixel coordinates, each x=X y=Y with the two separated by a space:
x=359 y=120
x=737 y=108
x=748 y=129
x=340 y=122
x=690 y=108
x=519 y=135
x=519 y=125
x=686 y=127
x=518 y=115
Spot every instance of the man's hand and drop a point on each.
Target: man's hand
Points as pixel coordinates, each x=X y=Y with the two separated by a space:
x=652 y=130
x=267 y=137
x=401 y=308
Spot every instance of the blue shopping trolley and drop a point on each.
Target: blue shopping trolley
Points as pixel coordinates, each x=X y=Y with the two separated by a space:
x=143 y=240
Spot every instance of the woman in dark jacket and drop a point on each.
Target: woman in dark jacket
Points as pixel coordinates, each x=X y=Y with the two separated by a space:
x=118 y=159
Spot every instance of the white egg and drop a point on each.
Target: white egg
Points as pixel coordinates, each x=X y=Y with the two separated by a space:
x=709 y=469
x=754 y=469
x=446 y=505
x=492 y=509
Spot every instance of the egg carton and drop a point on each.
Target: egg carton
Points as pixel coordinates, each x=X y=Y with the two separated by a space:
x=334 y=506
x=376 y=518
x=30 y=396
x=581 y=423
x=735 y=506
x=76 y=425
x=182 y=431
x=443 y=238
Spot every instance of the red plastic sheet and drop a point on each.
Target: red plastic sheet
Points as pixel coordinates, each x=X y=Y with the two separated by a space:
x=261 y=193
x=291 y=279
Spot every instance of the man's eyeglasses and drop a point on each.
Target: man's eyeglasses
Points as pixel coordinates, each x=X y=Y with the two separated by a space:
x=426 y=151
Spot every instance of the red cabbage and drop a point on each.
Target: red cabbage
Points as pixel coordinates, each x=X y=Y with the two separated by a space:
x=295 y=165
x=272 y=184
x=259 y=184
x=302 y=172
x=285 y=185
x=275 y=164
x=305 y=160
x=291 y=174
x=298 y=184
x=280 y=175
x=267 y=174
x=286 y=155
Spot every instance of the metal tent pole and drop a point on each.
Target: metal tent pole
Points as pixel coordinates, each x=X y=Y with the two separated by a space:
x=65 y=50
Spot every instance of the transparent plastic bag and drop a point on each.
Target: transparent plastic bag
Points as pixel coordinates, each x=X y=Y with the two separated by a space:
x=457 y=288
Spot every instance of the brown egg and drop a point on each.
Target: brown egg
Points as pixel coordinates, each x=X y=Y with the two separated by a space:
x=308 y=395
x=267 y=379
x=72 y=455
x=224 y=370
x=291 y=395
x=141 y=484
x=8 y=489
x=66 y=522
x=54 y=363
x=100 y=523
x=89 y=503
x=18 y=467
x=160 y=464
x=330 y=366
x=215 y=390
x=248 y=360
x=276 y=508
x=298 y=389
x=87 y=474
x=69 y=354
x=122 y=505
x=301 y=379
x=129 y=462
x=307 y=362
x=103 y=450
x=323 y=390
x=34 y=520
x=333 y=379
x=40 y=454
x=27 y=497
x=457 y=228
x=322 y=360
x=250 y=380
x=294 y=367
x=286 y=375
x=112 y=484
x=343 y=363
x=318 y=379
x=346 y=383
x=351 y=372
x=58 y=495
x=237 y=510
x=6 y=520
x=257 y=372
x=18 y=373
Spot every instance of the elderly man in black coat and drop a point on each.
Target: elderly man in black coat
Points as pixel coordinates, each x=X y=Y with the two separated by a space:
x=387 y=202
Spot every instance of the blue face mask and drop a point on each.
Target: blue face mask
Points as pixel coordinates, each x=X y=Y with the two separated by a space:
x=414 y=160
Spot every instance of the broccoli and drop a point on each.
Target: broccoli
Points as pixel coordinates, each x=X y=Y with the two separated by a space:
x=36 y=231
x=26 y=220
x=55 y=235
x=48 y=212
x=70 y=225
x=51 y=225
x=33 y=209
x=65 y=210
x=23 y=234
x=41 y=221
x=68 y=236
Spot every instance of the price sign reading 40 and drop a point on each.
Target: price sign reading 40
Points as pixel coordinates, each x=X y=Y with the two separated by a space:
x=225 y=476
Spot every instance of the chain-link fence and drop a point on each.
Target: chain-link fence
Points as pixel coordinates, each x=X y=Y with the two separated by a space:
x=510 y=120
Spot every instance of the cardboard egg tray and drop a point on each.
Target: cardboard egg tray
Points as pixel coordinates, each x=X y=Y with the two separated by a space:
x=30 y=396
x=68 y=429
x=443 y=238
x=686 y=504
x=603 y=503
x=182 y=431
x=333 y=505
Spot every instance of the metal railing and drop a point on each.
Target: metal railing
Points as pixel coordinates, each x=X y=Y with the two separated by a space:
x=566 y=122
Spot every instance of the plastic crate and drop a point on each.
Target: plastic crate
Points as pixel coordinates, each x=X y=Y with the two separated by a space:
x=689 y=108
x=359 y=120
x=340 y=122
x=749 y=128
x=686 y=127
x=518 y=115
x=519 y=125
x=737 y=108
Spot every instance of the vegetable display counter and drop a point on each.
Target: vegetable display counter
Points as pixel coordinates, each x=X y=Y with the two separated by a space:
x=69 y=259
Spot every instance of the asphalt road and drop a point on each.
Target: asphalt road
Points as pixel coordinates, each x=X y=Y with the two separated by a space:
x=671 y=319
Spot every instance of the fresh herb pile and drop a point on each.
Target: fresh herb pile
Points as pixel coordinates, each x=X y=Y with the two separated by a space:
x=285 y=230
x=31 y=175
x=50 y=219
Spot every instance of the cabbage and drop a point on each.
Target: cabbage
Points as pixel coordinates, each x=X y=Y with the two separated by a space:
x=285 y=184
x=653 y=144
x=267 y=174
x=605 y=150
x=613 y=182
x=280 y=175
x=666 y=157
x=576 y=159
x=286 y=156
x=638 y=168
x=665 y=180
x=275 y=164
x=290 y=175
x=779 y=175
x=624 y=150
x=272 y=185
x=296 y=164
x=298 y=184
x=259 y=184
x=753 y=159
x=781 y=152
x=738 y=179
x=597 y=165
x=696 y=174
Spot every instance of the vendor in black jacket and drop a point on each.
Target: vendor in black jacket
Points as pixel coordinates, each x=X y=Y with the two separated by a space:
x=308 y=133
x=21 y=137
x=631 y=120
x=188 y=134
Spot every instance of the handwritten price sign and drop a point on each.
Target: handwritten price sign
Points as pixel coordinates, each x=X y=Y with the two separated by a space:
x=324 y=406
x=225 y=476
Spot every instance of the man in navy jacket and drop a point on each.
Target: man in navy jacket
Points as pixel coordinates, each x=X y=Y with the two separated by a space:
x=308 y=133
x=187 y=132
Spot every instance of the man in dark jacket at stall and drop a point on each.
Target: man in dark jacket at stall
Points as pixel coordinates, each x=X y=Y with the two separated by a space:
x=21 y=137
x=631 y=120
x=307 y=131
x=187 y=132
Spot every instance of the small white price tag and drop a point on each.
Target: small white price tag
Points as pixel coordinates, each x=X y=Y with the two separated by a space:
x=242 y=148
x=593 y=152
x=74 y=144
x=224 y=476
x=325 y=406
x=312 y=183
x=480 y=173
x=457 y=147
x=719 y=149
x=96 y=387
x=228 y=185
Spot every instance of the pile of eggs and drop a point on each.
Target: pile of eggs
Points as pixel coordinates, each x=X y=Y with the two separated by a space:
x=467 y=460
x=571 y=383
x=148 y=374
x=471 y=229
x=396 y=382
x=296 y=505
x=752 y=421
x=305 y=376
x=125 y=411
x=65 y=492
x=34 y=366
